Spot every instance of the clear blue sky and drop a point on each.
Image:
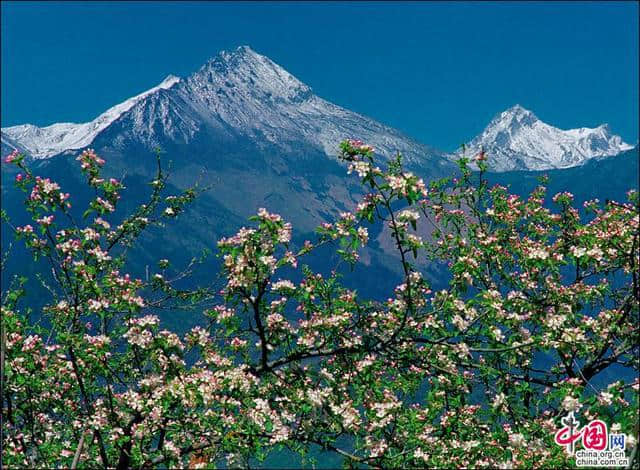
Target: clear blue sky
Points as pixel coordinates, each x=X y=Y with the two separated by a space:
x=437 y=71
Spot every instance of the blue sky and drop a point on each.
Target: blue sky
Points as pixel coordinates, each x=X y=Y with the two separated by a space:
x=437 y=71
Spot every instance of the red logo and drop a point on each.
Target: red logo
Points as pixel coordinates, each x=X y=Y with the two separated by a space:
x=594 y=435
x=569 y=433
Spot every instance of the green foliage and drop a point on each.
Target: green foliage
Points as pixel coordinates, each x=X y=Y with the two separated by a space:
x=438 y=379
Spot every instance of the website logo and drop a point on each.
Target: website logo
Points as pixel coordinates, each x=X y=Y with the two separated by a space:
x=600 y=449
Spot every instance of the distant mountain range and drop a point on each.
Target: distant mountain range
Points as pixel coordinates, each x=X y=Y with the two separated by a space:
x=261 y=138
x=245 y=94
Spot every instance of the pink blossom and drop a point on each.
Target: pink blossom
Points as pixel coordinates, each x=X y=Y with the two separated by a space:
x=12 y=156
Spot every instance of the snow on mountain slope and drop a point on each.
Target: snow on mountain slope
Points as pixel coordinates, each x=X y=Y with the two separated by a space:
x=250 y=93
x=44 y=142
x=517 y=140
x=242 y=93
x=235 y=93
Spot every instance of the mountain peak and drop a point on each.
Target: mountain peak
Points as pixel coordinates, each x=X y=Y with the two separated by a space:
x=239 y=54
x=244 y=71
x=516 y=139
x=606 y=128
x=514 y=118
x=245 y=50
x=169 y=81
x=517 y=109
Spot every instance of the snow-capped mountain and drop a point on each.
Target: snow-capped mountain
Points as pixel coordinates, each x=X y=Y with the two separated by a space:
x=255 y=135
x=240 y=123
x=44 y=142
x=236 y=93
x=242 y=94
x=517 y=140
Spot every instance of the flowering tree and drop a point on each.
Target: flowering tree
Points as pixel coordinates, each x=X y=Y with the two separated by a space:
x=540 y=303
